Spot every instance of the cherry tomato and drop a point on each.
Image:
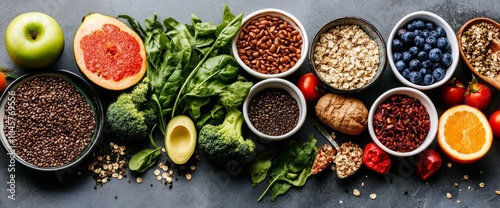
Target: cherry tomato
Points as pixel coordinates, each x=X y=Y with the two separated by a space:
x=495 y=123
x=452 y=93
x=311 y=88
x=3 y=83
x=477 y=95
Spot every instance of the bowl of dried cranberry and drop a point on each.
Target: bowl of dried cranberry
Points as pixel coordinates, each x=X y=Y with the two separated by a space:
x=274 y=109
x=403 y=121
x=271 y=43
x=50 y=120
x=422 y=50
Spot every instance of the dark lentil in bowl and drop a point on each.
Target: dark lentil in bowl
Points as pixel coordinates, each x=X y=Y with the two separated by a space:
x=274 y=111
x=50 y=121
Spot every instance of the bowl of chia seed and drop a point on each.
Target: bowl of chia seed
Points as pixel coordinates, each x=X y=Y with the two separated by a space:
x=274 y=109
x=50 y=120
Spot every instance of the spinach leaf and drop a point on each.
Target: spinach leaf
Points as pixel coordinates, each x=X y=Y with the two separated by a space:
x=226 y=35
x=144 y=159
x=235 y=94
x=213 y=77
x=260 y=166
x=279 y=187
x=291 y=167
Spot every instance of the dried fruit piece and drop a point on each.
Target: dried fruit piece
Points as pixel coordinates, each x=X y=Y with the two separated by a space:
x=109 y=53
x=324 y=157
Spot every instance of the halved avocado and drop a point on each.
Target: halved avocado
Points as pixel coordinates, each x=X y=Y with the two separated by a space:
x=180 y=139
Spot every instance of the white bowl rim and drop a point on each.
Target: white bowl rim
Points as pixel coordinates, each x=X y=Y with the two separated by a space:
x=424 y=100
x=286 y=84
x=295 y=22
x=451 y=36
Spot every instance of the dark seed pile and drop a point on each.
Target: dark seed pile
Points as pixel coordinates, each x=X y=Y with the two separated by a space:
x=53 y=122
x=273 y=112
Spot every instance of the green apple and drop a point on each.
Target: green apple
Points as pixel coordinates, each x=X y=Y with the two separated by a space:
x=34 y=40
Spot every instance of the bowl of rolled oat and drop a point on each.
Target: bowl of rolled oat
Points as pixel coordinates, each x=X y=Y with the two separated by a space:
x=50 y=120
x=271 y=43
x=479 y=44
x=347 y=54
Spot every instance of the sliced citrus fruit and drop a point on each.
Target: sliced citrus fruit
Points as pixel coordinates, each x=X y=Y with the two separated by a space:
x=109 y=53
x=464 y=134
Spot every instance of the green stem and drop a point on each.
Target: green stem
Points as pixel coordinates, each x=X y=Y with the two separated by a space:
x=270 y=184
x=151 y=137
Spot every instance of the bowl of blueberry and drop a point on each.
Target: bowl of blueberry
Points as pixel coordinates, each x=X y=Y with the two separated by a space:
x=422 y=50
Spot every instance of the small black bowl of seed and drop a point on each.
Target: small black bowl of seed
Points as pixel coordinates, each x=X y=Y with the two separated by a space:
x=50 y=120
x=274 y=109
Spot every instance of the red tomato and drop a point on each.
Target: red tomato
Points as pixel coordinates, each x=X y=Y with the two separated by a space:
x=477 y=95
x=452 y=93
x=310 y=87
x=495 y=123
x=3 y=82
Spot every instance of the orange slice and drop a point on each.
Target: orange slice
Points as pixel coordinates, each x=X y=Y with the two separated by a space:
x=464 y=134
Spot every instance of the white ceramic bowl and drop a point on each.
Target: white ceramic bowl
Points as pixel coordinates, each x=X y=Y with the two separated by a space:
x=281 y=84
x=292 y=21
x=450 y=35
x=424 y=100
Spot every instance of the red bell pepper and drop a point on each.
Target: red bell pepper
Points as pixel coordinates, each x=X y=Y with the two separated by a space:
x=428 y=162
x=376 y=159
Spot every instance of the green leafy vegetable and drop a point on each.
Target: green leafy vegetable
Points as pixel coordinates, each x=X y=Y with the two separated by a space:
x=190 y=69
x=145 y=158
x=260 y=166
x=291 y=167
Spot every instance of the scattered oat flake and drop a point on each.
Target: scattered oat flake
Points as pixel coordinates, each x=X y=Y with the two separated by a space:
x=188 y=176
x=356 y=192
x=497 y=192
x=458 y=201
x=157 y=172
x=466 y=177
x=362 y=184
x=158 y=178
x=456 y=184
x=481 y=185
x=449 y=165
x=139 y=180
x=448 y=195
x=373 y=196
x=163 y=149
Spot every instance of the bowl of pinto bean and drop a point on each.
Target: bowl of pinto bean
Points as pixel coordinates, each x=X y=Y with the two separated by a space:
x=403 y=121
x=271 y=43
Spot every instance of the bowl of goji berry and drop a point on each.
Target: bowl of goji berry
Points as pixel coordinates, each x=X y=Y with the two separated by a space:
x=403 y=121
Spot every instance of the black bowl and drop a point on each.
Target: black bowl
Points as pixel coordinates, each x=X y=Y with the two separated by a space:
x=370 y=30
x=82 y=87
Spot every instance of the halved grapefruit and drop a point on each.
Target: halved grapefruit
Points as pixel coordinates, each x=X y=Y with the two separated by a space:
x=109 y=53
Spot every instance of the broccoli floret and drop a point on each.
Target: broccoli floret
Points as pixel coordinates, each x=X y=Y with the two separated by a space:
x=223 y=143
x=132 y=115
